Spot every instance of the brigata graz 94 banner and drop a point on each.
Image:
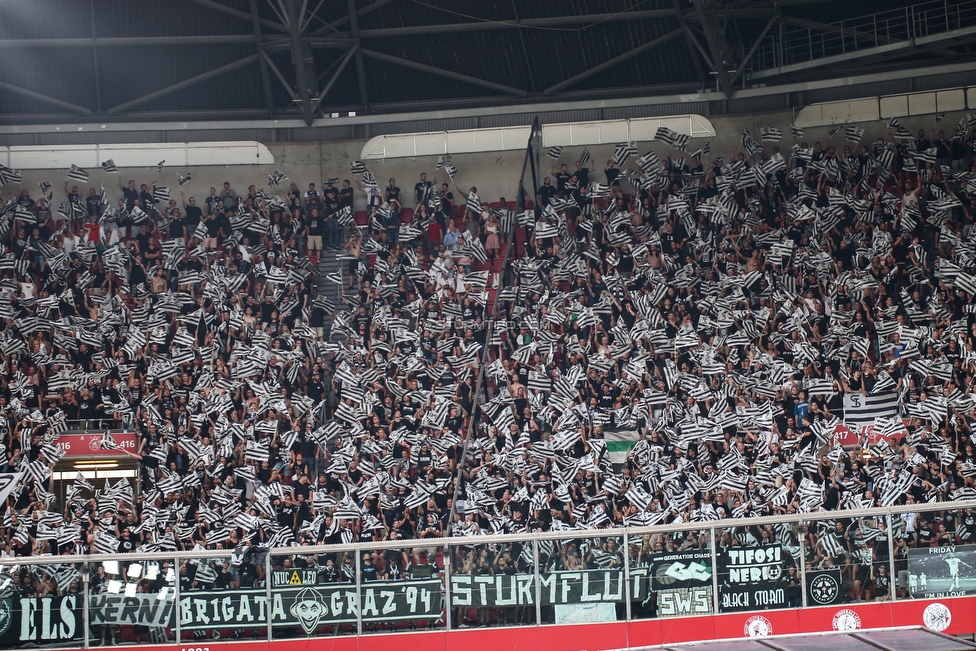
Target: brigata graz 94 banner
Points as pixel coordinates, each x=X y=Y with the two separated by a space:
x=311 y=606
x=751 y=578
x=935 y=572
x=557 y=588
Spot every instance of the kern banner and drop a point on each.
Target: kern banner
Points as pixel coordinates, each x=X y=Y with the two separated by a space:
x=938 y=572
x=557 y=588
x=137 y=610
x=751 y=578
x=311 y=607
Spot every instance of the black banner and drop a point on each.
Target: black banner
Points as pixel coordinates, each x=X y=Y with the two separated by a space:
x=689 y=569
x=937 y=572
x=138 y=610
x=294 y=577
x=45 y=620
x=823 y=587
x=311 y=606
x=751 y=578
x=685 y=602
x=557 y=588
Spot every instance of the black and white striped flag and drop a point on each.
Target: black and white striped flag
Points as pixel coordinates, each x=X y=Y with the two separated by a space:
x=109 y=167
x=584 y=158
x=623 y=152
x=853 y=133
x=183 y=180
x=770 y=134
x=8 y=175
x=796 y=131
x=451 y=170
x=78 y=174
x=357 y=167
x=276 y=178
x=555 y=152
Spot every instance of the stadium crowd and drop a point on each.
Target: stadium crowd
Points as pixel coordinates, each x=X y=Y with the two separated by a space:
x=672 y=342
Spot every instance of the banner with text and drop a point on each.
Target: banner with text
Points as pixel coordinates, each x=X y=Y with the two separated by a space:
x=310 y=607
x=751 y=578
x=557 y=588
x=937 y=572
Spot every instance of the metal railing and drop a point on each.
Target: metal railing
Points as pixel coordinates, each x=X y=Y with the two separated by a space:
x=795 y=43
x=449 y=583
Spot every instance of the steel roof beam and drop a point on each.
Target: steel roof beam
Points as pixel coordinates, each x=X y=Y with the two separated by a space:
x=481 y=26
x=335 y=76
x=243 y=15
x=717 y=45
x=186 y=83
x=339 y=22
x=265 y=79
x=508 y=90
x=353 y=17
x=640 y=49
x=45 y=98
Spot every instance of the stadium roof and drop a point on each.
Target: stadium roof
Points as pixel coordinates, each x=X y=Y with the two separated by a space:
x=131 y=60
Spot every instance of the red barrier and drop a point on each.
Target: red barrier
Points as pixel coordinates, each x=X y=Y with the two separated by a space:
x=954 y=616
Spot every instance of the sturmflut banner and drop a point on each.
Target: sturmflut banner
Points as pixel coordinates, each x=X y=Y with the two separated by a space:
x=557 y=588
x=751 y=578
x=936 y=572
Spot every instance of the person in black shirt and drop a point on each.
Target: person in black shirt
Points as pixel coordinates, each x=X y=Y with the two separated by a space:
x=422 y=189
x=562 y=178
x=193 y=212
x=345 y=195
x=582 y=174
x=129 y=193
x=93 y=204
x=545 y=194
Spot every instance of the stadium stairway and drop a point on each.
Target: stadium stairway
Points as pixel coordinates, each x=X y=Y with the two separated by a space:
x=329 y=264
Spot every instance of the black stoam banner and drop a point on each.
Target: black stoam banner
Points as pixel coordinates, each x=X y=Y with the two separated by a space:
x=138 y=610
x=683 y=583
x=823 y=587
x=942 y=571
x=45 y=620
x=557 y=588
x=751 y=578
x=311 y=606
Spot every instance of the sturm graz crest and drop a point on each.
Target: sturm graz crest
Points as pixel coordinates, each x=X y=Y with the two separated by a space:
x=824 y=589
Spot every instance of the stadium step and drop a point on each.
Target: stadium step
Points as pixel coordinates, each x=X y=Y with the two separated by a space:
x=329 y=264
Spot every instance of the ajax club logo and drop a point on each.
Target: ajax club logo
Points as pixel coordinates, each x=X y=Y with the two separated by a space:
x=824 y=589
x=846 y=620
x=758 y=626
x=937 y=616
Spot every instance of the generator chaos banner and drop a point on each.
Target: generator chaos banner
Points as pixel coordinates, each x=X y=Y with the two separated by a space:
x=557 y=588
x=751 y=578
x=942 y=571
x=309 y=607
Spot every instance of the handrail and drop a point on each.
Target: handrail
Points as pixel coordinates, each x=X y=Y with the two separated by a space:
x=727 y=523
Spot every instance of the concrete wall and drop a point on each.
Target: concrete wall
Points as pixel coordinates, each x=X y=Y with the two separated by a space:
x=495 y=174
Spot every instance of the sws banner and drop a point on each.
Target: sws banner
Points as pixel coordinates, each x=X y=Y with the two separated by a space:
x=942 y=571
x=557 y=588
x=751 y=578
x=310 y=607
